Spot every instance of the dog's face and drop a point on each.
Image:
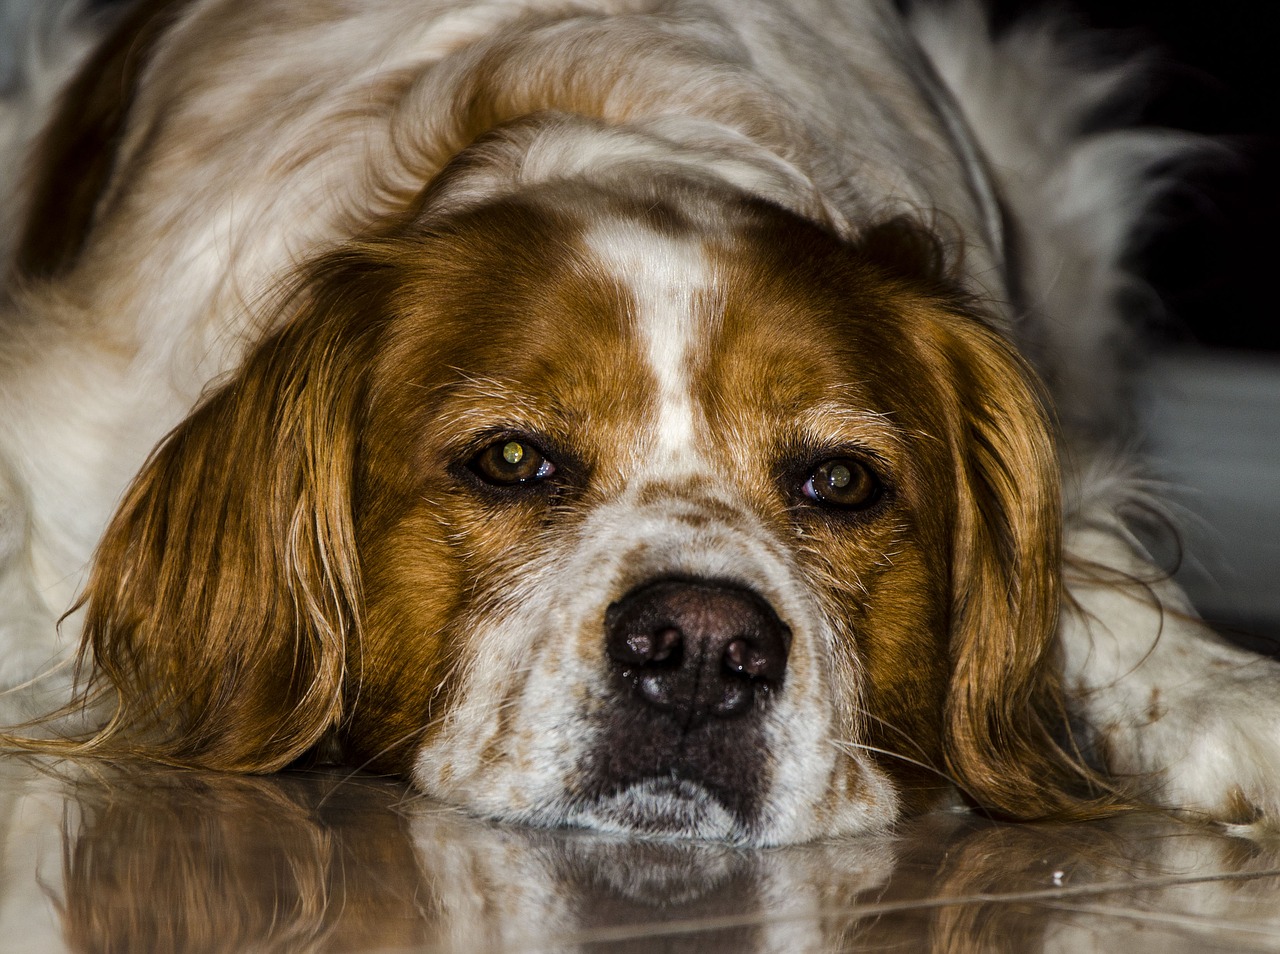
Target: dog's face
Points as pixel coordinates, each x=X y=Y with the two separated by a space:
x=646 y=561
x=672 y=515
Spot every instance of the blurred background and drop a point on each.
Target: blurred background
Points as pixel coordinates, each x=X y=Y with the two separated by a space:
x=1210 y=398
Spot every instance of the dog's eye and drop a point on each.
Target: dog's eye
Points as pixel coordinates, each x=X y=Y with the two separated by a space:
x=511 y=461
x=843 y=482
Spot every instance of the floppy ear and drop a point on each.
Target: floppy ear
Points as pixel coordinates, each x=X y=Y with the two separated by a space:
x=225 y=594
x=1006 y=724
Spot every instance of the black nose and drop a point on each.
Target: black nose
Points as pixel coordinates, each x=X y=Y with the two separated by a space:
x=697 y=650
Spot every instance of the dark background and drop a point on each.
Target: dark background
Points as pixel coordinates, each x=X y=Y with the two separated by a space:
x=1216 y=261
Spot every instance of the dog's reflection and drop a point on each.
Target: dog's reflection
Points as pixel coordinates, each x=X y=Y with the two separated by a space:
x=186 y=862
x=197 y=863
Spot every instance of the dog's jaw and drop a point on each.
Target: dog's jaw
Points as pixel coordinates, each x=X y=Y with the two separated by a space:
x=540 y=722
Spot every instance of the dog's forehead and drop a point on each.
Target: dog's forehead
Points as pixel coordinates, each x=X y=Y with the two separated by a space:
x=669 y=285
x=657 y=334
x=761 y=330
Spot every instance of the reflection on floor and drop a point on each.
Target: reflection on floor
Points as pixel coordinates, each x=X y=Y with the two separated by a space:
x=105 y=860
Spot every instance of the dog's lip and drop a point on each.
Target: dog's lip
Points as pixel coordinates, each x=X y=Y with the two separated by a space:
x=661 y=807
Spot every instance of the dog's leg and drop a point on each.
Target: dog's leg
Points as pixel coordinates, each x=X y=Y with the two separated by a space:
x=1193 y=721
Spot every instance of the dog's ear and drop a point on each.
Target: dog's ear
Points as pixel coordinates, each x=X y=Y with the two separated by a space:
x=224 y=598
x=1007 y=739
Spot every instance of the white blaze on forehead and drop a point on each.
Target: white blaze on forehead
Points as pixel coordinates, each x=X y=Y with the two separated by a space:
x=667 y=279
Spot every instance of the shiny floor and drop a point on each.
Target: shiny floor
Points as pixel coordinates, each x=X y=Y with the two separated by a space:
x=103 y=860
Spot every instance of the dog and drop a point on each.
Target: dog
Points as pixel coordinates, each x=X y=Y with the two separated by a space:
x=682 y=419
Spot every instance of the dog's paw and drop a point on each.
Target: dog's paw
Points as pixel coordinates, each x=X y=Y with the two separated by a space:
x=1229 y=768
x=1211 y=747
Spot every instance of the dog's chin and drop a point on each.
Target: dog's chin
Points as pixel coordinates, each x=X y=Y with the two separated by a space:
x=662 y=808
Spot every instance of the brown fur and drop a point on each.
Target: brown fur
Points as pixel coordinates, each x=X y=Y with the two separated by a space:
x=226 y=594
x=77 y=152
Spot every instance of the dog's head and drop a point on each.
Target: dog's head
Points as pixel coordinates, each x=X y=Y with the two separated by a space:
x=647 y=469
x=655 y=508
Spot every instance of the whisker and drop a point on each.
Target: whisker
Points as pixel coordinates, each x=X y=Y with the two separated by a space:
x=355 y=770
x=900 y=732
x=932 y=770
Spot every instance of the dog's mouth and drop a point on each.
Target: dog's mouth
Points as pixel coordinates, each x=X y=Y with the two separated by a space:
x=694 y=668
x=662 y=808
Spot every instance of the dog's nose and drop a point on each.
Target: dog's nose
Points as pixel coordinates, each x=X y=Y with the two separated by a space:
x=697 y=650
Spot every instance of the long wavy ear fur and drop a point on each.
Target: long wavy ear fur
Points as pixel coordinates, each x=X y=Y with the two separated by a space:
x=223 y=601
x=1007 y=733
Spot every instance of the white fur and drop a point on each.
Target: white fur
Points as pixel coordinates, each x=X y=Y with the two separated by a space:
x=827 y=108
x=1079 y=191
x=664 y=278
x=1191 y=717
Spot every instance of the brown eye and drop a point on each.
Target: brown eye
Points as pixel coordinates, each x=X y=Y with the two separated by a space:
x=511 y=461
x=842 y=482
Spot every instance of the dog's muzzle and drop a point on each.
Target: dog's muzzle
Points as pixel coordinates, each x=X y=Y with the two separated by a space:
x=695 y=667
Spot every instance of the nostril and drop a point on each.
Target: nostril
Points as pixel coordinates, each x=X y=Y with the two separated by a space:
x=697 y=649
x=744 y=657
x=752 y=664
x=649 y=658
x=642 y=647
x=666 y=645
x=662 y=646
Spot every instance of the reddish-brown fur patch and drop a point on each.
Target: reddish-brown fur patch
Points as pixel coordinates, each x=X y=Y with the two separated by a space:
x=77 y=152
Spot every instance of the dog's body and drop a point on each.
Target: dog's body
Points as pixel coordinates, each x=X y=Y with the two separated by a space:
x=604 y=413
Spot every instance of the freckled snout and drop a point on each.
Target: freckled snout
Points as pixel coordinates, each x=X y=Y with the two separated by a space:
x=697 y=651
